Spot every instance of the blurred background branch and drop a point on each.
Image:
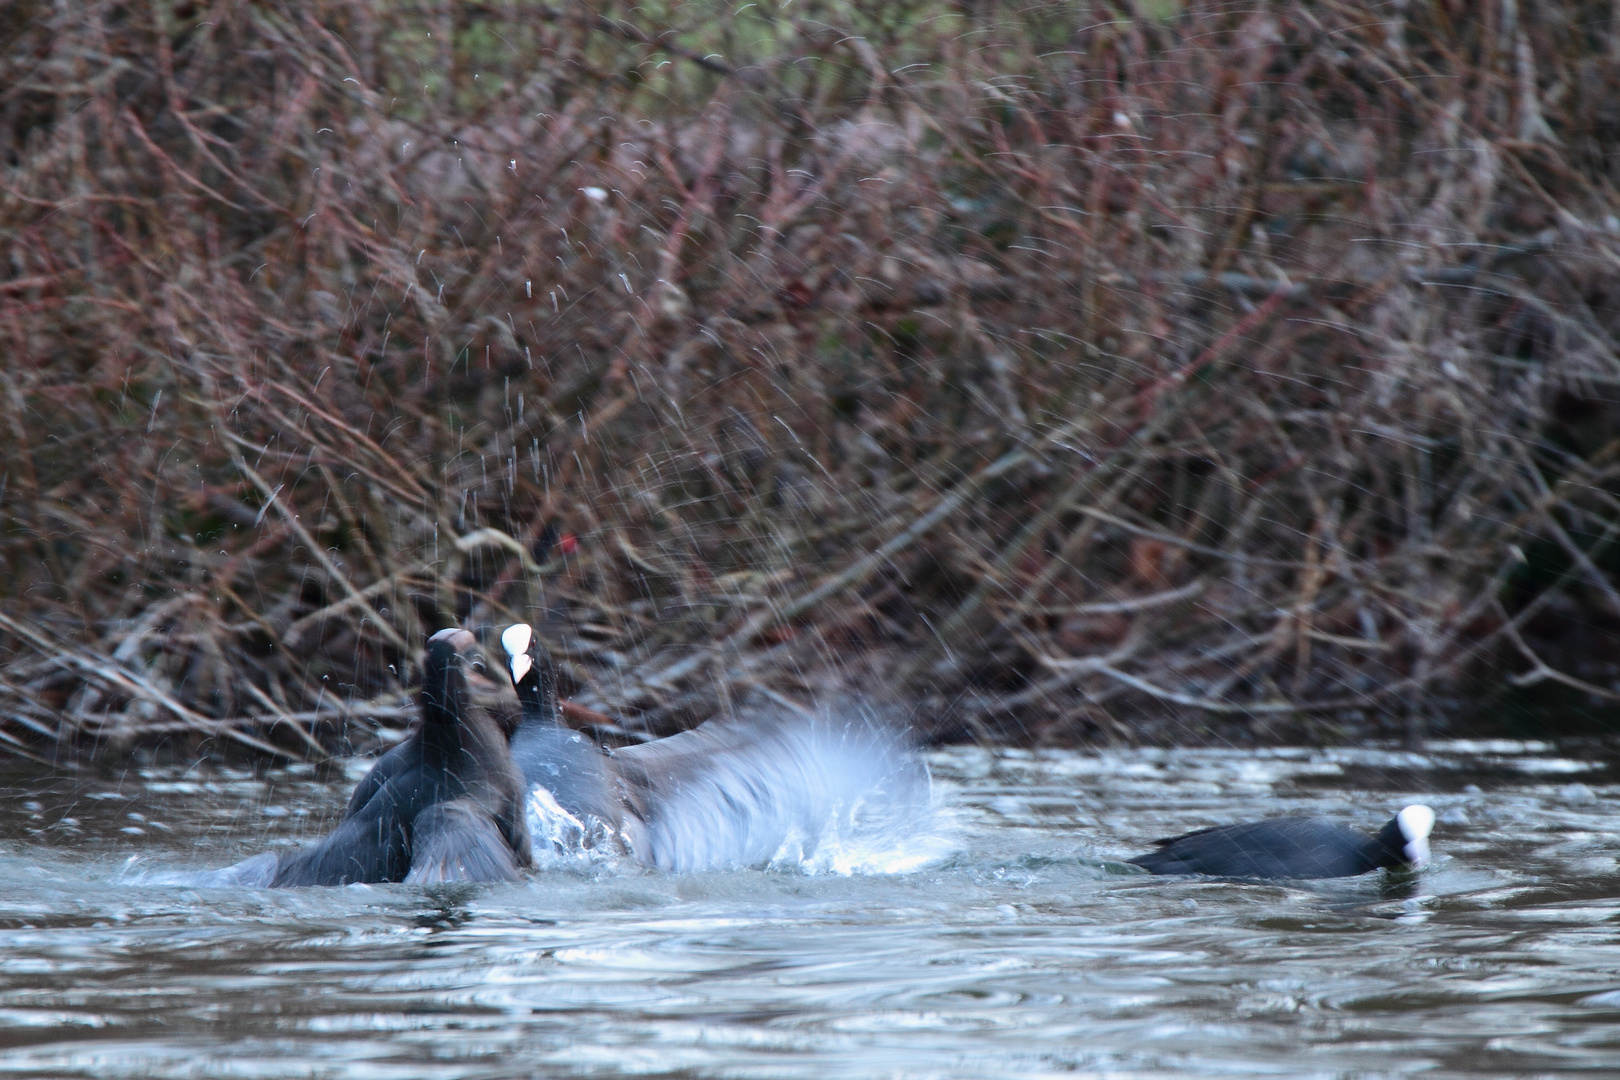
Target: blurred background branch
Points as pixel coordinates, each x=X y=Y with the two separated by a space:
x=1176 y=370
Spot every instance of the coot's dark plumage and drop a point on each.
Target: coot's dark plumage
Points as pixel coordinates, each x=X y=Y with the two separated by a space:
x=485 y=692
x=446 y=804
x=549 y=754
x=1295 y=848
x=460 y=840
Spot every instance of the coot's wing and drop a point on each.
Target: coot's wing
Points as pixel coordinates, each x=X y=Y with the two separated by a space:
x=458 y=841
x=709 y=796
x=397 y=761
x=1300 y=848
x=372 y=845
x=1166 y=841
x=1242 y=851
x=655 y=770
x=1278 y=848
x=732 y=792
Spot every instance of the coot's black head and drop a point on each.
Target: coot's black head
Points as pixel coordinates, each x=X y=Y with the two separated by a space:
x=444 y=683
x=529 y=665
x=460 y=683
x=1404 y=842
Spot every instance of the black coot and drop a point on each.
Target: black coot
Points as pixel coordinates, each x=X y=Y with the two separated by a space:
x=1295 y=848
x=484 y=692
x=446 y=804
x=549 y=754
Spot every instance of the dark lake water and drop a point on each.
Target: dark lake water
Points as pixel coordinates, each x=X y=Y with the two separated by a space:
x=1005 y=940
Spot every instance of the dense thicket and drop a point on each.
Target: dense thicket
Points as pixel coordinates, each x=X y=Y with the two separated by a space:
x=1079 y=370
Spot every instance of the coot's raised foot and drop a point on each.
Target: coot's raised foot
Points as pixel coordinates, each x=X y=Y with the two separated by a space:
x=459 y=841
x=1295 y=848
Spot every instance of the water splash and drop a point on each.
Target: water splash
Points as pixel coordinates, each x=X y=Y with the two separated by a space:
x=839 y=791
x=254 y=872
x=560 y=839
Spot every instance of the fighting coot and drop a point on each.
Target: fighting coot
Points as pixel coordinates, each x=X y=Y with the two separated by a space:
x=1295 y=848
x=485 y=690
x=549 y=754
x=446 y=804
x=730 y=792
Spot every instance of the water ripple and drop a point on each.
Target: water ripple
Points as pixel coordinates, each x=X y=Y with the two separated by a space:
x=1023 y=947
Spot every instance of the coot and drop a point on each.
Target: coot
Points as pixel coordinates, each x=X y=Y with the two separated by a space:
x=446 y=804
x=1295 y=848
x=730 y=792
x=485 y=691
x=550 y=755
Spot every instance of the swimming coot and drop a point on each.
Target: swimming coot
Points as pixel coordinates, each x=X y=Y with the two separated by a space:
x=730 y=792
x=1295 y=848
x=446 y=804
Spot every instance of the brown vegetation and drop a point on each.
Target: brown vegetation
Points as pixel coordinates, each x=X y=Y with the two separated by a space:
x=1081 y=370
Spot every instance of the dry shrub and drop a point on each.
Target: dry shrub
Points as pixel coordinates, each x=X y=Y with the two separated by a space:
x=1085 y=370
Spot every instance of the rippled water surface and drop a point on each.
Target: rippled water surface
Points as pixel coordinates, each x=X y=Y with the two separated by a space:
x=1023 y=949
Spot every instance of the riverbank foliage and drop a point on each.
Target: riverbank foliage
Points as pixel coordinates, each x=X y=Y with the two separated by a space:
x=1083 y=371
